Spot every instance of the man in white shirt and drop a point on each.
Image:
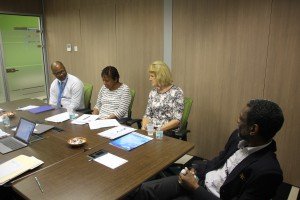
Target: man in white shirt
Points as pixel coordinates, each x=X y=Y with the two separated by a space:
x=247 y=168
x=66 y=90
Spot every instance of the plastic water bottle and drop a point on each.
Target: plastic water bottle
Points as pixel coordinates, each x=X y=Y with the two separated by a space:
x=6 y=120
x=159 y=134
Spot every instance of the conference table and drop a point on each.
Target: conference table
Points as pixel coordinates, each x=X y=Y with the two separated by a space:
x=68 y=172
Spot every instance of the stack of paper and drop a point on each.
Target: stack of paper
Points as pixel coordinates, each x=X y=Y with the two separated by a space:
x=103 y=123
x=59 y=117
x=3 y=134
x=85 y=119
x=27 y=107
x=116 y=132
x=17 y=166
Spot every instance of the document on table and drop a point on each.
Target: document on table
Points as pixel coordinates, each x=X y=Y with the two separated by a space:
x=3 y=134
x=110 y=160
x=16 y=166
x=84 y=119
x=116 y=132
x=27 y=107
x=102 y=123
x=59 y=118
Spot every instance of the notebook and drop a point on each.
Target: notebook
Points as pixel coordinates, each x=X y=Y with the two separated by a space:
x=41 y=109
x=20 y=139
x=130 y=141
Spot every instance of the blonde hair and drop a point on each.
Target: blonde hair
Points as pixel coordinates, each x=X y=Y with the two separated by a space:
x=162 y=73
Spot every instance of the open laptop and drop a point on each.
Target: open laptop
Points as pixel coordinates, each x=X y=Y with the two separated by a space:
x=41 y=128
x=20 y=139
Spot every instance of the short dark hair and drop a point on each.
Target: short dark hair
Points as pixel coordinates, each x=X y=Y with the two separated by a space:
x=111 y=72
x=267 y=115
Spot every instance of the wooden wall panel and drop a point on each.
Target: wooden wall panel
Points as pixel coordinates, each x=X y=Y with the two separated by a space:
x=282 y=82
x=62 y=27
x=98 y=43
x=219 y=57
x=127 y=34
x=139 y=42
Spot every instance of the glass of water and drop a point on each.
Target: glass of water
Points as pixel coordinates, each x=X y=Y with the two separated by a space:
x=150 y=129
x=72 y=113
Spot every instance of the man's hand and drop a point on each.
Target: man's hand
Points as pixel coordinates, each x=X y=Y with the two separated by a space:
x=188 y=180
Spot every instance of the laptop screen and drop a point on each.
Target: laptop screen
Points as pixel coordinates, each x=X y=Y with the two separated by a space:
x=24 y=130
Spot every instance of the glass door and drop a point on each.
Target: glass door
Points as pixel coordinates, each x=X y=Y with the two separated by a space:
x=22 y=63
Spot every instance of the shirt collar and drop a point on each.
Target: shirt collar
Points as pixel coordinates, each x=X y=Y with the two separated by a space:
x=243 y=145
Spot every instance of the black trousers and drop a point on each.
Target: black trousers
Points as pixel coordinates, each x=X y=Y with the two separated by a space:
x=162 y=189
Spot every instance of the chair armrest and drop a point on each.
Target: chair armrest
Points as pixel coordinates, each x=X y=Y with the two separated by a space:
x=85 y=111
x=123 y=120
x=182 y=134
x=132 y=121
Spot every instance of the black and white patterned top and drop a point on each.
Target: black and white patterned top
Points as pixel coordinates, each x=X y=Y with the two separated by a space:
x=113 y=101
x=164 y=107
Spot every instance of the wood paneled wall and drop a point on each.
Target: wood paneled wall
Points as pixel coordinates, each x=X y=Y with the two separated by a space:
x=127 y=34
x=227 y=52
x=224 y=53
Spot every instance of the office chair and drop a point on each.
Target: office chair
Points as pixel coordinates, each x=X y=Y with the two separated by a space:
x=88 y=90
x=128 y=120
x=182 y=132
x=174 y=169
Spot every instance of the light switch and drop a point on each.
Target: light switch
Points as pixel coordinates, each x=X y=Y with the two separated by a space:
x=75 y=48
x=69 y=47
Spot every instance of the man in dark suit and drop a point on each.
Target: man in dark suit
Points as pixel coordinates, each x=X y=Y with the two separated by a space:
x=246 y=169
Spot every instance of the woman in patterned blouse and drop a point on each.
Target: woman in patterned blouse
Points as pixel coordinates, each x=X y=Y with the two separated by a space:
x=114 y=97
x=165 y=103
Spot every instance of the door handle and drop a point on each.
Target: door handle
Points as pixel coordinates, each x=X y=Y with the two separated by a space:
x=11 y=70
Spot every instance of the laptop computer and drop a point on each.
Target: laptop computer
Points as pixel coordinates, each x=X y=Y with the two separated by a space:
x=20 y=139
x=42 y=128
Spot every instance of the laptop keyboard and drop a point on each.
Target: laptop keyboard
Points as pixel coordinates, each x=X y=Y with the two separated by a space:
x=12 y=143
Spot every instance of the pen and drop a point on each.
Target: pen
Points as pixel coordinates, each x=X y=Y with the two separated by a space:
x=37 y=181
x=85 y=118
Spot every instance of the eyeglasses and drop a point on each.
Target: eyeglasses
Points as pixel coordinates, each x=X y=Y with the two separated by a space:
x=59 y=72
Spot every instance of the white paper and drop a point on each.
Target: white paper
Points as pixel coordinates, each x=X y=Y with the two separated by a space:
x=27 y=107
x=184 y=159
x=84 y=119
x=102 y=123
x=9 y=167
x=116 y=132
x=59 y=117
x=3 y=134
x=110 y=160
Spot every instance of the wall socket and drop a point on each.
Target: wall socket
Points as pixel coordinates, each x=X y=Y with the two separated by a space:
x=69 y=47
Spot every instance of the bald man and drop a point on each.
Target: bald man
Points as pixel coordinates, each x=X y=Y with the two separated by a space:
x=66 y=90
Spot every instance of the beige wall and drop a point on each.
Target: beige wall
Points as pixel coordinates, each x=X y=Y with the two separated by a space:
x=224 y=53
x=123 y=33
x=227 y=52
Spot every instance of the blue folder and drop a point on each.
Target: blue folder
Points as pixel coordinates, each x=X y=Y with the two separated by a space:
x=41 y=109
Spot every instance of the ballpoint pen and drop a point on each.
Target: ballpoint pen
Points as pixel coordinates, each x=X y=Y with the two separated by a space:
x=38 y=182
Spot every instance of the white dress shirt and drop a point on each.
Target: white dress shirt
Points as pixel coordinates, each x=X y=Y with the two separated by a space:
x=72 y=96
x=216 y=178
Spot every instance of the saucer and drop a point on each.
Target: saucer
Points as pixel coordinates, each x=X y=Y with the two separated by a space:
x=77 y=141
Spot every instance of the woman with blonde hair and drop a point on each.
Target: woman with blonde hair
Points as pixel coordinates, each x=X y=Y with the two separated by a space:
x=165 y=103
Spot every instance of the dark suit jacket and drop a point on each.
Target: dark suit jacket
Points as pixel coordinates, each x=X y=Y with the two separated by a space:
x=256 y=177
